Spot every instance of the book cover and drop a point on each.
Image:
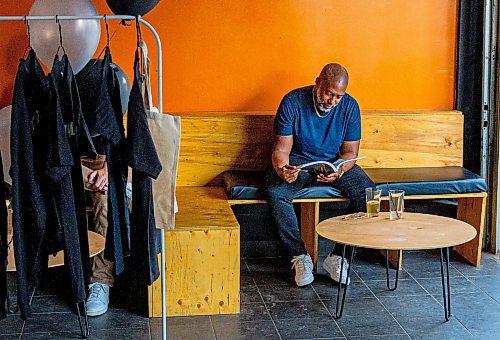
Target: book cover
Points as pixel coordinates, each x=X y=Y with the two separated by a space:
x=326 y=168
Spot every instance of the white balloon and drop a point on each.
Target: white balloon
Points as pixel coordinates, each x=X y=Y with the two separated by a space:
x=80 y=37
x=5 y=141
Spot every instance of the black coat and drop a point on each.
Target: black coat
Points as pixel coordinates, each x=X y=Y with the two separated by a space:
x=145 y=164
x=29 y=103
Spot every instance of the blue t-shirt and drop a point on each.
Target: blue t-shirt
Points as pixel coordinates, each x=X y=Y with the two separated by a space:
x=316 y=138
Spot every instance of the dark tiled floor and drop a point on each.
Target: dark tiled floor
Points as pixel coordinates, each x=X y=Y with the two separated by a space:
x=272 y=307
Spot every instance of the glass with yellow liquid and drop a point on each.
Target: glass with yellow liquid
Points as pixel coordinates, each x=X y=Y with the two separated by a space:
x=373 y=197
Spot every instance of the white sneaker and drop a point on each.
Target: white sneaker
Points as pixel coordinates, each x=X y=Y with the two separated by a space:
x=303 y=269
x=98 y=300
x=332 y=264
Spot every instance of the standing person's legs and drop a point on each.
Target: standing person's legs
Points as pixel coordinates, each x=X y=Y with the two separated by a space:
x=102 y=270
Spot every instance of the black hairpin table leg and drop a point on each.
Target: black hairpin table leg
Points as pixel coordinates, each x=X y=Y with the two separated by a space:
x=339 y=307
x=446 y=288
x=387 y=270
x=85 y=332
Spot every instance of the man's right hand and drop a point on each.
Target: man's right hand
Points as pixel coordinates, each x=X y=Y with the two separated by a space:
x=289 y=173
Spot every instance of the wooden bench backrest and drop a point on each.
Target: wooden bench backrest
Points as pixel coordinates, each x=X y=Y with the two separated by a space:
x=214 y=142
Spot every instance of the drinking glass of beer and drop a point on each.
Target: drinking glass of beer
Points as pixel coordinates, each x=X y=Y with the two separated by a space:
x=373 y=197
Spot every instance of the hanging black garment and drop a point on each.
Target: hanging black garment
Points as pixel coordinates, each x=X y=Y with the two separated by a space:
x=145 y=164
x=68 y=140
x=3 y=245
x=102 y=109
x=29 y=103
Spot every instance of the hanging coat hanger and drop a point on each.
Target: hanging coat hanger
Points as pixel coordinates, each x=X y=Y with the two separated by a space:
x=107 y=39
x=29 y=37
x=60 y=37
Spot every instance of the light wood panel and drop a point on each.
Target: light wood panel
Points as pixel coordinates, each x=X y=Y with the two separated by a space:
x=472 y=210
x=203 y=273
x=413 y=232
x=203 y=208
x=214 y=142
x=202 y=257
x=309 y=218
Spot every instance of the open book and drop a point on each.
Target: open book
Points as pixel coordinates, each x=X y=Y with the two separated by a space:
x=324 y=167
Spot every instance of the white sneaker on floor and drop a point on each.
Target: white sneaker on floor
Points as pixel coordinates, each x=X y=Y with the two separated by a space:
x=98 y=300
x=303 y=269
x=332 y=265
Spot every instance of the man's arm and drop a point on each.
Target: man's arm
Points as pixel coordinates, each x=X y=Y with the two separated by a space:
x=281 y=159
x=349 y=150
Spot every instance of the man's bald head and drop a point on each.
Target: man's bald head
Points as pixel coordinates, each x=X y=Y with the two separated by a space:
x=335 y=73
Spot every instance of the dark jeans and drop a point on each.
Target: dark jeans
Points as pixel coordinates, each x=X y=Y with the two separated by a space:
x=279 y=195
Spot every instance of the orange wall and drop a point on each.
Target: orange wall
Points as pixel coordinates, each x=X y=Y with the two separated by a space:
x=245 y=55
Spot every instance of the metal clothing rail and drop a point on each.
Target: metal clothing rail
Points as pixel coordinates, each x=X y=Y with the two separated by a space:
x=160 y=108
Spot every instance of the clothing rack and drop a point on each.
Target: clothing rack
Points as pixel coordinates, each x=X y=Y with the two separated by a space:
x=160 y=108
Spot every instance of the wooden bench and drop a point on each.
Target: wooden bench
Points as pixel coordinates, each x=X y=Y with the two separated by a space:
x=203 y=251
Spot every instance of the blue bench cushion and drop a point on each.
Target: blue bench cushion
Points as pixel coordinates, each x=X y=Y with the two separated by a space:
x=242 y=184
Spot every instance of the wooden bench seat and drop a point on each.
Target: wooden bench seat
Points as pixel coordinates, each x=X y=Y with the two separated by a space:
x=203 y=251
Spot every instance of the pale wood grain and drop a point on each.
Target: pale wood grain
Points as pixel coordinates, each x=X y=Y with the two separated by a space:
x=412 y=232
x=203 y=273
x=212 y=142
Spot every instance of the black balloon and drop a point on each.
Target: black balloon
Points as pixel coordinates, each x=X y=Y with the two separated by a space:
x=132 y=7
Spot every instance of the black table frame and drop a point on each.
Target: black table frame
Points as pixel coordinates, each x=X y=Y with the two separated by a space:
x=445 y=271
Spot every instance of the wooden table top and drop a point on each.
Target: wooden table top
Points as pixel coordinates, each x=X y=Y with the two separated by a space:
x=96 y=245
x=412 y=232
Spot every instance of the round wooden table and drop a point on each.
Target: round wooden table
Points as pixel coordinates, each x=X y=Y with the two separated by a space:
x=96 y=245
x=412 y=232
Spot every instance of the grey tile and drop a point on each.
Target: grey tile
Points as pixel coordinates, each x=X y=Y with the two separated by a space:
x=267 y=264
x=51 y=304
x=489 y=284
x=232 y=327
x=459 y=284
x=489 y=266
x=98 y=334
x=308 y=328
x=428 y=269
x=296 y=309
x=278 y=277
x=375 y=272
x=10 y=336
x=249 y=294
x=328 y=290
x=452 y=329
x=382 y=324
x=405 y=287
x=116 y=318
x=54 y=335
x=246 y=279
x=415 y=314
x=184 y=328
x=381 y=337
x=360 y=307
x=282 y=293
x=253 y=312
x=54 y=322
x=478 y=312
x=13 y=324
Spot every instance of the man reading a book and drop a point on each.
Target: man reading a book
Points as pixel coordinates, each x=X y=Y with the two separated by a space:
x=313 y=123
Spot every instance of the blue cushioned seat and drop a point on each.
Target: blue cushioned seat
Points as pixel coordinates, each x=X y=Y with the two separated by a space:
x=241 y=184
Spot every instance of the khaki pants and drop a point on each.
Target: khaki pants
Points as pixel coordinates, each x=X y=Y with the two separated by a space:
x=102 y=269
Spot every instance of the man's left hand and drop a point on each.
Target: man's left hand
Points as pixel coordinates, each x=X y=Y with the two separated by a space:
x=328 y=179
